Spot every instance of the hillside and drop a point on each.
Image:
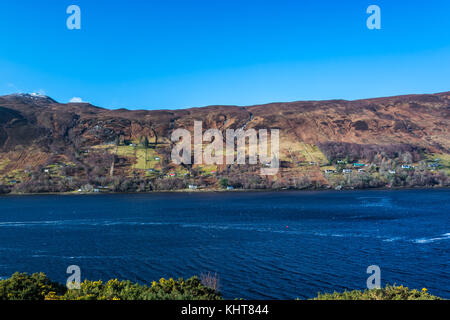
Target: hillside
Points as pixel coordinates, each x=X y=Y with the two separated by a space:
x=46 y=146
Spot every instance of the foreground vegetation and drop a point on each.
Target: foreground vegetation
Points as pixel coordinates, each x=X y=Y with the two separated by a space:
x=37 y=286
x=387 y=293
x=22 y=286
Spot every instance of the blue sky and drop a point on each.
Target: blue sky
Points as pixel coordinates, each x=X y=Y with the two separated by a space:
x=184 y=53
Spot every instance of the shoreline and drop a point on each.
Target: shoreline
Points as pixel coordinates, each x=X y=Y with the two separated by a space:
x=187 y=191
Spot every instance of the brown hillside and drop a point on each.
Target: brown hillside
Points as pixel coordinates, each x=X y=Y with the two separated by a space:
x=38 y=131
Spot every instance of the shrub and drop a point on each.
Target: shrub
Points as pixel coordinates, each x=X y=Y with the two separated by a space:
x=223 y=183
x=191 y=289
x=4 y=189
x=170 y=289
x=210 y=281
x=387 y=293
x=22 y=286
x=370 y=152
x=37 y=286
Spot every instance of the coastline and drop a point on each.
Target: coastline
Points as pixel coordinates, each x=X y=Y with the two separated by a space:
x=188 y=191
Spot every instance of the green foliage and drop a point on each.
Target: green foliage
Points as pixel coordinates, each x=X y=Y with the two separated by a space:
x=22 y=286
x=224 y=183
x=171 y=289
x=387 y=293
x=37 y=286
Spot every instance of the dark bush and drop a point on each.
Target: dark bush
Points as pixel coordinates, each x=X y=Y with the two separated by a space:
x=4 y=189
x=353 y=152
x=22 y=286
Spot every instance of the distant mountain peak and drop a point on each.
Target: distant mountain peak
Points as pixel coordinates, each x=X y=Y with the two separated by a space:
x=34 y=96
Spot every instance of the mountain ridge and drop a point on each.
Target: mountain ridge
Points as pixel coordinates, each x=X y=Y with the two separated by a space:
x=36 y=131
x=337 y=100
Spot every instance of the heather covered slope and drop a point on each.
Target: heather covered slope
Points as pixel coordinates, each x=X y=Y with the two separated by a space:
x=46 y=146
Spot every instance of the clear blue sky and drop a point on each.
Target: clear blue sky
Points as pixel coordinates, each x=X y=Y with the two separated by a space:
x=182 y=53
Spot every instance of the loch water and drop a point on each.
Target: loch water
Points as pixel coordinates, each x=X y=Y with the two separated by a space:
x=262 y=245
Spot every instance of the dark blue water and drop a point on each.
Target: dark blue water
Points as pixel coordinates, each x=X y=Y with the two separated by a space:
x=262 y=245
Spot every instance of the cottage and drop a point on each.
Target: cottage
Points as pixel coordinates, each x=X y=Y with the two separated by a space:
x=193 y=187
x=87 y=188
x=433 y=165
x=358 y=164
x=230 y=188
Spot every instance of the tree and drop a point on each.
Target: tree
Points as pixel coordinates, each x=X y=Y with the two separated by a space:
x=224 y=183
x=145 y=142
